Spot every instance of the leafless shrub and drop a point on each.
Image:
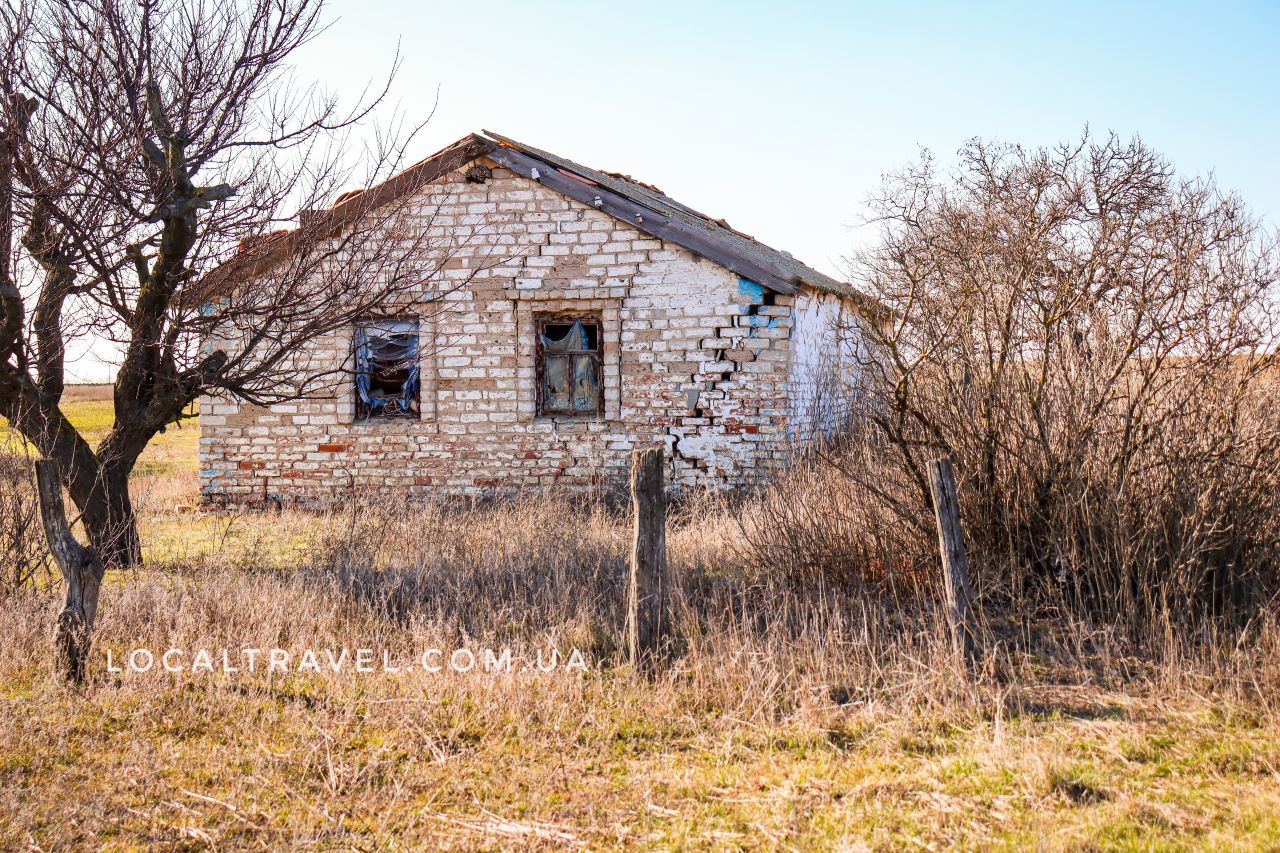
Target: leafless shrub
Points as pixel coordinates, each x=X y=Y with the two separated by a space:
x=1089 y=338
x=834 y=519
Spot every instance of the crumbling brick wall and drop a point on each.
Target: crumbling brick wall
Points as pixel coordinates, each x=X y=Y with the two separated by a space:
x=693 y=357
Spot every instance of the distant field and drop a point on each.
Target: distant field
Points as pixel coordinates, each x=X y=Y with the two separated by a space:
x=89 y=408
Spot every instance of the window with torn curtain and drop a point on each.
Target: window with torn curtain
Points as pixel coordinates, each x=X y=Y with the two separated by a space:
x=569 y=365
x=387 y=369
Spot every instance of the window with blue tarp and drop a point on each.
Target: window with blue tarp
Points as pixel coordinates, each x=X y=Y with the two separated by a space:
x=387 y=371
x=569 y=365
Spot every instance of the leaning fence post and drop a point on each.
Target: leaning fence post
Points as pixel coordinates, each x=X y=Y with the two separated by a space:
x=647 y=593
x=955 y=568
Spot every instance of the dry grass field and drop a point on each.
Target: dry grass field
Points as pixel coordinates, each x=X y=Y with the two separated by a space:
x=785 y=720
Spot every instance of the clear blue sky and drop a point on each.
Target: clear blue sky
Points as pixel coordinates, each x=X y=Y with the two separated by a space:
x=781 y=117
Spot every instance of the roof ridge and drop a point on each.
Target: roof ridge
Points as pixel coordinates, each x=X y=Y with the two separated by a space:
x=621 y=196
x=654 y=199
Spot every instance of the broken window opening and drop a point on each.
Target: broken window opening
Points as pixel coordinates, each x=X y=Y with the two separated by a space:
x=387 y=370
x=569 y=366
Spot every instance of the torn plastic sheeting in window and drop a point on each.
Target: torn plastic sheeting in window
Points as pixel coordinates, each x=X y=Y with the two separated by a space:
x=555 y=381
x=570 y=379
x=585 y=390
x=574 y=340
x=388 y=346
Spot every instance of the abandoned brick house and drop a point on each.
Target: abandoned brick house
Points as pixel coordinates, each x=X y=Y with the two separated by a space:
x=619 y=318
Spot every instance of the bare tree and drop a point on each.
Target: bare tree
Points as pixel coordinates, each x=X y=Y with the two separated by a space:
x=154 y=155
x=1092 y=340
x=1089 y=337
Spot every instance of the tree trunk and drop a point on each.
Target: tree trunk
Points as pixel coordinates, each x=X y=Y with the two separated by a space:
x=98 y=483
x=81 y=570
x=109 y=519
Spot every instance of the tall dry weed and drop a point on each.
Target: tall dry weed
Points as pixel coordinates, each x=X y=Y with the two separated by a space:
x=24 y=559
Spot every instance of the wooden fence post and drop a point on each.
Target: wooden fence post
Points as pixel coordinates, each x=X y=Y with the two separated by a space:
x=955 y=568
x=81 y=570
x=647 y=593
